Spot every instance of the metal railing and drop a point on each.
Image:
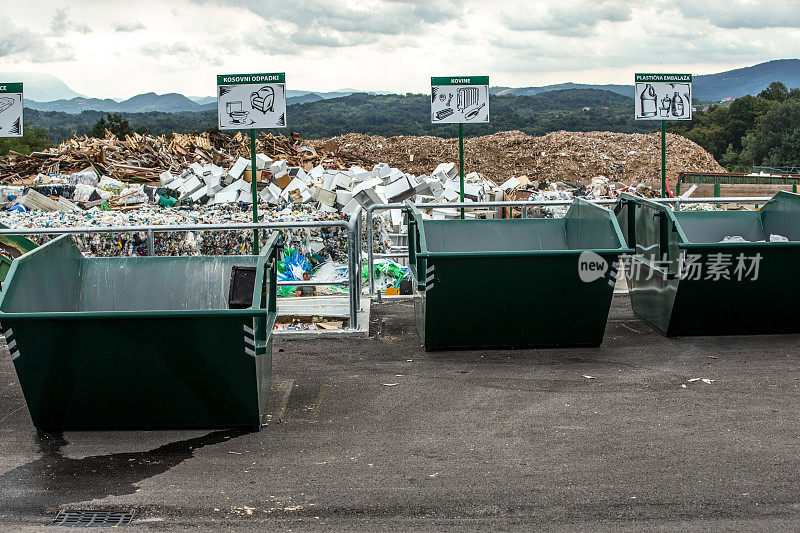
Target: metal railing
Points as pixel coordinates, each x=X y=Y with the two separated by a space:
x=677 y=202
x=352 y=226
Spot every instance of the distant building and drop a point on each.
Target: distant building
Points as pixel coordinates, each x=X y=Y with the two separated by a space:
x=587 y=108
x=728 y=99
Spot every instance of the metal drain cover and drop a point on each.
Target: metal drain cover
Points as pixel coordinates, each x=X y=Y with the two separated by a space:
x=90 y=518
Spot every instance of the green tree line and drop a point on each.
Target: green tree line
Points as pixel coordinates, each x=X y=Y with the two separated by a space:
x=385 y=115
x=761 y=130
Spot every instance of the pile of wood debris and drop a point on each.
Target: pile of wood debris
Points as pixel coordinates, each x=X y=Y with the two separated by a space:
x=142 y=158
x=574 y=157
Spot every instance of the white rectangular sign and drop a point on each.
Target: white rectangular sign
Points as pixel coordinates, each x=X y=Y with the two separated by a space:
x=10 y=109
x=462 y=100
x=251 y=101
x=663 y=97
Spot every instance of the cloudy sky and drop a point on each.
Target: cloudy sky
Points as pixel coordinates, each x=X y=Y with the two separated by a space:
x=113 y=48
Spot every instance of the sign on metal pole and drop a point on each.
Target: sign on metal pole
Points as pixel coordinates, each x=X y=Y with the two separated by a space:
x=460 y=100
x=251 y=101
x=10 y=109
x=663 y=97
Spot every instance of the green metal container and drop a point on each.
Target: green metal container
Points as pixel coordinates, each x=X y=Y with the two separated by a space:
x=139 y=342
x=11 y=247
x=514 y=283
x=684 y=280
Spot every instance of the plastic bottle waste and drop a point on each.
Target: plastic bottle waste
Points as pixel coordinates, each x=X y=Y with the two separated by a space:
x=649 y=101
x=677 y=105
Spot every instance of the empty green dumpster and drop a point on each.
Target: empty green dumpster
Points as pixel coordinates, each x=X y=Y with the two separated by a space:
x=714 y=272
x=514 y=283
x=140 y=342
x=12 y=246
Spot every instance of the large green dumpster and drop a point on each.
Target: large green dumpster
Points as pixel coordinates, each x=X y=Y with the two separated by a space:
x=140 y=342
x=11 y=247
x=714 y=272
x=514 y=283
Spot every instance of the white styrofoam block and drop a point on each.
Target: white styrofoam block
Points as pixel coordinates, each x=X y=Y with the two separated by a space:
x=398 y=190
x=448 y=169
x=451 y=196
x=198 y=195
x=189 y=186
x=446 y=212
x=263 y=161
x=327 y=181
x=440 y=176
x=341 y=181
x=328 y=209
x=297 y=185
x=303 y=176
x=471 y=191
x=350 y=208
x=394 y=174
x=473 y=177
x=266 y=195
x=452 y=185
x=166 y=178
x=397 y=218
x=343 y=197
x=238 y=169
x=326 y=197
x=381 y=170
x=369 y=184
x=213 y=184
x=278 y=166
x=317 y=172
x=197 y=168
x=228 y=194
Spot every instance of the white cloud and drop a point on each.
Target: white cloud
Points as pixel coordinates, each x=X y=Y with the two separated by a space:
x=127 y=27
x=21 y=44
x=568 y=18
x=743 y=14
x=180 y=45
x=61 y=24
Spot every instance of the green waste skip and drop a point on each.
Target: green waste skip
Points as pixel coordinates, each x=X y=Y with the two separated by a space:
x=514 y=283
x=714 y=272
x=11 y=247
x=140 y=342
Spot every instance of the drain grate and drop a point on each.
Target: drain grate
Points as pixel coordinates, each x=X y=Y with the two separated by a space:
x=89 y=518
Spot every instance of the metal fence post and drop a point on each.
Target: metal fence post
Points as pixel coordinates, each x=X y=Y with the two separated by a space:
x=351 y=273
x=359 y=261
x=370 y=251
x=150 y=243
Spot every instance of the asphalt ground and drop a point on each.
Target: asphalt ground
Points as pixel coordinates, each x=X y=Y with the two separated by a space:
x=376 y=434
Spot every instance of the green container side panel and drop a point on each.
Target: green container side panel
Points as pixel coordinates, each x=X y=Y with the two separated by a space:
x=687 y=303
x=519 y=287
x=478 y=303
x=106 y=343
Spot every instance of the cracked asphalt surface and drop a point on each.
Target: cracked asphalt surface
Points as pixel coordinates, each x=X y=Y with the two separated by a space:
x=378 y=434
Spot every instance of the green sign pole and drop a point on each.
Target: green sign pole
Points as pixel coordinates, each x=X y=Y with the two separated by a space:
x=663 y=158
x=461 y=162
x=254 y=188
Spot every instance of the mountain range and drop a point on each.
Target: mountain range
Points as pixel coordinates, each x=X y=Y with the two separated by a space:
x=40 y=90
x=705 y=87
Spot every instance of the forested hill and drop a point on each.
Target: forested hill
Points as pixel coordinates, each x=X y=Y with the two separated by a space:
x=390 y=115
